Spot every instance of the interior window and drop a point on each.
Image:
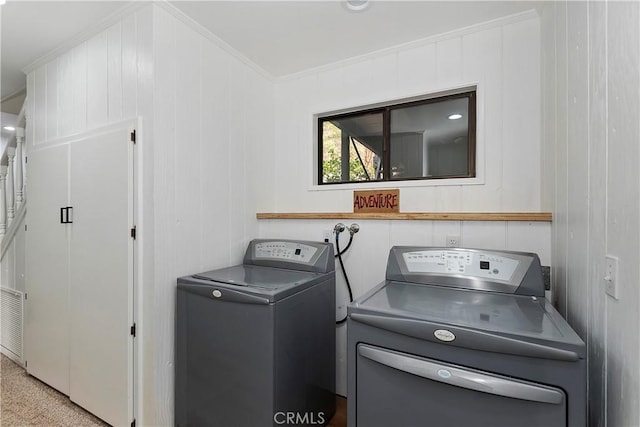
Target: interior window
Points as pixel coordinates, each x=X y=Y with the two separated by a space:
x=424 y=139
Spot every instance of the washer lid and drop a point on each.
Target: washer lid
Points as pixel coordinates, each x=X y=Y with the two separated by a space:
x=273 y=283
x=515 y=316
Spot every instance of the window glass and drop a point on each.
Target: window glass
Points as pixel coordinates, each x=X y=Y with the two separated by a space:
x=425 y=139
x=352 y=148
x=430 y=140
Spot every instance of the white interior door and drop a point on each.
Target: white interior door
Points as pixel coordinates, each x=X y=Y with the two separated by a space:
x=101 y=285
x=47 y=268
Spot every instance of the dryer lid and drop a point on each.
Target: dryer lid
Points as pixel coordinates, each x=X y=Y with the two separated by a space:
x=504 y=314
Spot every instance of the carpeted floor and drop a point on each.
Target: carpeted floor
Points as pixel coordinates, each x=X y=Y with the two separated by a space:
x=25 y=401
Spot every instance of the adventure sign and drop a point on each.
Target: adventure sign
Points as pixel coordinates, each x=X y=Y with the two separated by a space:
x=376 y=201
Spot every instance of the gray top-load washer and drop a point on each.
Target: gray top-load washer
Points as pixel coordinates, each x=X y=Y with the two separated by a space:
x=255 y=343
x=458 y=337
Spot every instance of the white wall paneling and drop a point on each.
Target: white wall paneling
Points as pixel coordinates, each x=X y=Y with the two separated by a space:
x=560 y=209
x=521 y=115
x=65 y=88
x=548 y=102
x=482 y=62
x=484 y=234
x=39 y=95
x=97 y=81
x=114 y=71
x=503 y=60
x=188 y=142
x=237 y=179
x=208 y=109
x=623 y=210
x=214 y=189
x=138 y=47
x=131 y=54
x=30 y=110
x=449 y=61
x=597 y=206
x=79 y=79
x=578 y=168
x=260 y=152
x=164 y=139
x=416 y=71
x=52 y=99
x=592 y=85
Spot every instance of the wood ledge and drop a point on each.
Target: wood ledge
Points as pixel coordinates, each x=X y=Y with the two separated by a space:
x=433 y=216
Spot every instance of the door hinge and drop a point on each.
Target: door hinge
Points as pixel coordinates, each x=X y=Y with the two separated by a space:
x=25 y=227
x=25 y=159
x=133 y=423
x=133 y=330
x=133 y=136
x=25 y=364
x=25 y=295
x=133 y=232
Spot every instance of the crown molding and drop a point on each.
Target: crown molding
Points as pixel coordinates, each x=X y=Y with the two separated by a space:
x=203 y=31
x=494 y=23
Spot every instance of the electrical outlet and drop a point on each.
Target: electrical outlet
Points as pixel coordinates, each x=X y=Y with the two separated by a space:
x=611 y=276
x=453 y=241
x=326 y=235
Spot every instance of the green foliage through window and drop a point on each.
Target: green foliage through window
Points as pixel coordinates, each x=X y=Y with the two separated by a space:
x=359 y=155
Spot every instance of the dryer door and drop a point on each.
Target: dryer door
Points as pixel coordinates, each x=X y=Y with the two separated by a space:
x=405 y=390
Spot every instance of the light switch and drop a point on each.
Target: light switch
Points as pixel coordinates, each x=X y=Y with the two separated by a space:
x=611 y=276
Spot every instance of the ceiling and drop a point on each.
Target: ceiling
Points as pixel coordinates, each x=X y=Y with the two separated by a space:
x=281 y=37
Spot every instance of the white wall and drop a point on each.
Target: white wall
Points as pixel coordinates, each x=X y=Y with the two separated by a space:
x=591 y=88
x=201 y=109
x=214 y=125
x=503 y=59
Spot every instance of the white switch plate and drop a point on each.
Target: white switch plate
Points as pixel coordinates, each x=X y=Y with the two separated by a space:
x=326 y=235
x=611 y=276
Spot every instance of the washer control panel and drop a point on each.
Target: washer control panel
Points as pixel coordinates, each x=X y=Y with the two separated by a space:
x=461 y=262
x=280 y=250
x=302 y=255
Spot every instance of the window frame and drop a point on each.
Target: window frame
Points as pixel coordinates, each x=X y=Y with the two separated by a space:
x=385 y=109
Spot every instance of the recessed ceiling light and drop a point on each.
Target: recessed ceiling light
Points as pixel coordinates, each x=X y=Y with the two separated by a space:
x=357 y=5
x=455 y=116
x=9 y=128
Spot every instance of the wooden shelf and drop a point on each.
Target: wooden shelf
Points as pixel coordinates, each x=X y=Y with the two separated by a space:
x=432 y=216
